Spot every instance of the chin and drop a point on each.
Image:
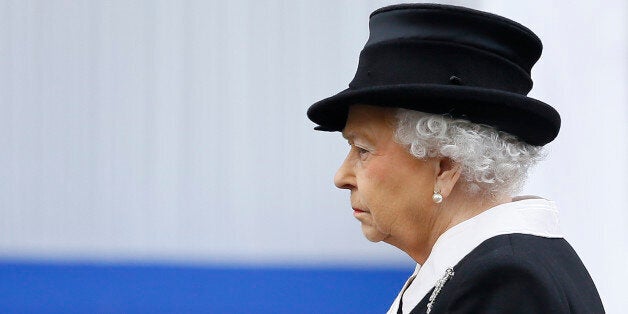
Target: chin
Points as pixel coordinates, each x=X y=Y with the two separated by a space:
x=372 y=235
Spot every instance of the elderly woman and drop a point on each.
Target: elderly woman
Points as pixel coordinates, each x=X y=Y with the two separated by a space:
x=441 y=136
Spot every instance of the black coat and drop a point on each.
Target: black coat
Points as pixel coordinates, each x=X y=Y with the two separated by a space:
x=517 y=273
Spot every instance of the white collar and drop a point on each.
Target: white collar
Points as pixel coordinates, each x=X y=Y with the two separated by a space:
x=525 y=215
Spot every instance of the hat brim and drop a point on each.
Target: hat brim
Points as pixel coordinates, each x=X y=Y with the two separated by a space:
x=531 y=120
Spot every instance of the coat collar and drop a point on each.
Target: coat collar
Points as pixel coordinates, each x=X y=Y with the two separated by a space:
x=524 y=215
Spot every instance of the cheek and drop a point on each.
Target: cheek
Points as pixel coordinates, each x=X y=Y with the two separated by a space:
x=397 y=187
x=378 y=181
x=388 y=179
x=384 y=193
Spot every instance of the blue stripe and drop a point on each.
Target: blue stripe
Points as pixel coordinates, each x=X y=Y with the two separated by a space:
x=84 y=288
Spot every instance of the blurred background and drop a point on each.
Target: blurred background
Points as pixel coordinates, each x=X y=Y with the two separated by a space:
x=156 y=156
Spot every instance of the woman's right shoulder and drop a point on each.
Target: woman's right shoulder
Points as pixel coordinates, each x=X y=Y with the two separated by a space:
x=519 y=273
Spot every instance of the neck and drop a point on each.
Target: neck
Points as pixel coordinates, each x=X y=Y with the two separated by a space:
x=456 y=208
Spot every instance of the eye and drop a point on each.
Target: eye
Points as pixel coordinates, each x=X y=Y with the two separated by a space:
x=362 y=152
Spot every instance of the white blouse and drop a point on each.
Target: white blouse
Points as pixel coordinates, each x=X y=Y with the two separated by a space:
x=526 y=215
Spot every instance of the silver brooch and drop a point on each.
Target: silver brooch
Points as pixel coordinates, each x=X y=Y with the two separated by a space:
x=439 y=285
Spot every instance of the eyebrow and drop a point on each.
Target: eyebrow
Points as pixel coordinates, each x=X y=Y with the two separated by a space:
x=351 y=134
x=348 y=134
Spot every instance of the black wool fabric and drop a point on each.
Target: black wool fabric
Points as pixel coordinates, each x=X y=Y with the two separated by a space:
x=517 y=273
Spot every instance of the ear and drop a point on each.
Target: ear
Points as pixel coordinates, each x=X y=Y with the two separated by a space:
x=448 y=175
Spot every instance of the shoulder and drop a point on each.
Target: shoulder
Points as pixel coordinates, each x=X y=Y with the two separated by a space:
x=498 y=277
x=519 y=273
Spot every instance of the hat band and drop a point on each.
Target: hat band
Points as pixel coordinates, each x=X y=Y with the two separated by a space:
x=435 y=62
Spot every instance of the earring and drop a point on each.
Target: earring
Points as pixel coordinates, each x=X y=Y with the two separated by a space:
x=437 y=197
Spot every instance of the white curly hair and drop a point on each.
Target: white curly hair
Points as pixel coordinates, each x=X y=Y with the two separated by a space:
x=493 y=163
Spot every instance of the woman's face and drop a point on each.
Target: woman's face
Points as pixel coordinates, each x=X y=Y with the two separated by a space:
x=391 y=190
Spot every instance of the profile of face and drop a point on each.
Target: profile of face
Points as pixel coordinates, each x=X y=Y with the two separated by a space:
x=391 y=190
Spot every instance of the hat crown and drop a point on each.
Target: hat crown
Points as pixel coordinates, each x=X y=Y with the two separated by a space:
x=429 y=44
x=434 y=22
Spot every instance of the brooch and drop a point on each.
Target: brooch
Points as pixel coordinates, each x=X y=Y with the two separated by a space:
x=439 y=285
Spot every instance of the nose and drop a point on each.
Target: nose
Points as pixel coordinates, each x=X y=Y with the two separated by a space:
x=345 y=177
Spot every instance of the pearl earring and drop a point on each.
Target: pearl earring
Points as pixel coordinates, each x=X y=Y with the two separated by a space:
x=437 y=197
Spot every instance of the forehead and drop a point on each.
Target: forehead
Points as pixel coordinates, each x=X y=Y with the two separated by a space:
x=368 y=121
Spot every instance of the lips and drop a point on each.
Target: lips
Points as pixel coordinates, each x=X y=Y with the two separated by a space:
x=357 y=211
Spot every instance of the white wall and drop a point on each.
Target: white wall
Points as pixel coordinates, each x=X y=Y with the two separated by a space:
x=177 y=131
x=582 y=73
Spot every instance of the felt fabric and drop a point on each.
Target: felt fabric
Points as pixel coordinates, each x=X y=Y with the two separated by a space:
x=447 y=60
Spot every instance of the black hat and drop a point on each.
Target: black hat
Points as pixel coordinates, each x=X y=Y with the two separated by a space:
x=447 y=60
